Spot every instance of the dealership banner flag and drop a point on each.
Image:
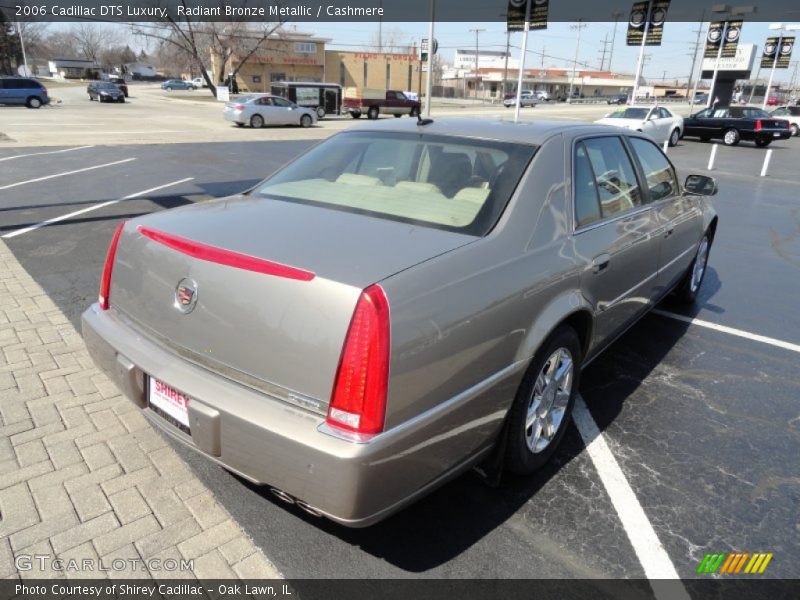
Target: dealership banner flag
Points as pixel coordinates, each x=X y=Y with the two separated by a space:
x=516 y=14
x=636 y=23
x=782 y=47
x=658 y=14
x=731 y=39
x=713 y=39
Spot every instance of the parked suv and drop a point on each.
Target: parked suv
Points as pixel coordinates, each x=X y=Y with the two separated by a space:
x=23 y=90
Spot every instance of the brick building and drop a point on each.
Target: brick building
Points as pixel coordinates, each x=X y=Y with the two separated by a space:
x=373 y=70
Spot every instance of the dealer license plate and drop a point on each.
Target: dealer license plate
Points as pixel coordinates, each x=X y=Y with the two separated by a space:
x=169 y=403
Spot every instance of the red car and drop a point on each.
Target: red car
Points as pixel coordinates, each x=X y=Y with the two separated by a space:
x=774 y=101
x=120 y=83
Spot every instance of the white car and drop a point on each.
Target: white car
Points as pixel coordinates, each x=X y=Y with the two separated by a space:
x=542 y=95
x=791 y=114
x=199 y=82
x=656 y=121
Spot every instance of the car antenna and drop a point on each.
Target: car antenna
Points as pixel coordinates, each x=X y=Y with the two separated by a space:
x=422 y=122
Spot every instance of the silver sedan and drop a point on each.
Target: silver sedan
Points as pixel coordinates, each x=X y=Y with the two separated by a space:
x=401 y=303
x=258 y=110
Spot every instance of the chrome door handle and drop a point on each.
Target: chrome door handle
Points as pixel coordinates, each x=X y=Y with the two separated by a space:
x=600 y=263
x=669 y=232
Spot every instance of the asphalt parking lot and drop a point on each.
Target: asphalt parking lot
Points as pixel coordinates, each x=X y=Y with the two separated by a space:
x=701 y=416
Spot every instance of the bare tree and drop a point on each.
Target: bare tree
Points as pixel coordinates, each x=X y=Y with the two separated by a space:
x=391 y=40
x=34 y=34
x=91 y=39
x=239 y=40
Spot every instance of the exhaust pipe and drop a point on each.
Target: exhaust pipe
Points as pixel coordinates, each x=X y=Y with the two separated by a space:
x=282 y=495
x=309 y=509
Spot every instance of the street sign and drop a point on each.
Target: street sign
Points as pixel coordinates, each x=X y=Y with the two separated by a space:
x=223 y=93
x=423 y=48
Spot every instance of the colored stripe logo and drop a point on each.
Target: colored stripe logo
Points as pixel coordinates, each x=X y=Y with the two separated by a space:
x=735 y=563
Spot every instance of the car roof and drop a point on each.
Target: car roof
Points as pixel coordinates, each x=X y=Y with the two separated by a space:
x=526 y=132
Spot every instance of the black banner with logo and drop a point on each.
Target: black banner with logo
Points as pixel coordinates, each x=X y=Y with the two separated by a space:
x=782 y=47
x=516 y=14
x=732 y=39
x=639 y=17
x=713 y=39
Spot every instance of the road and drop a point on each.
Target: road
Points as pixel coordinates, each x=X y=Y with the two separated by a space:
x=703 y=422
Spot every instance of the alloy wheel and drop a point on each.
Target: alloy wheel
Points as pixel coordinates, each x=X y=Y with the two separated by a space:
x=699 y=267
x=549 y=400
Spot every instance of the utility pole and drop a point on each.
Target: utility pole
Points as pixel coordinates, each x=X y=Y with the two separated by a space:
x=429 y=80
x=505 y=68
x=603 y=51
x=22 y=46
x=477 y=33
x=616 y=14
x=579 y=26
x=699 y=32
x=380 y=29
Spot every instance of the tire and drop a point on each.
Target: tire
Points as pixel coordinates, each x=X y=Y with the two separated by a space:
x=373 y=112
x=256 y=121
x=397 y=116
x=674 y=137
x=169 y=89
x=320 y=112
x=731 y=137
x=763 y=143
x=33 y=102
x=795 y=129
x=526 y=453
x=356 y=114
x=306 y=121
x=239 y=124
x=414 y=112
x=90 y=98
x=687 y=291
x=121 y=100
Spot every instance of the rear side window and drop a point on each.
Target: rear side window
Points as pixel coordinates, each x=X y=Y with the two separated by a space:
x=658 y=171
x=614 y=176
x=454 y=183
x=587 y=207
x=20 y=84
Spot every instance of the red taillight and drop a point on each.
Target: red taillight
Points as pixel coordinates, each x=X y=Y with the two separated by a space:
x=105 y=280
x=44 y=91
x=238 y=106
x=758 y=125
x=358 y=402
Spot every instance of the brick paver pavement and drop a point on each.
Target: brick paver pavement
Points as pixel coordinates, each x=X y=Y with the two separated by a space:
x=83 y=475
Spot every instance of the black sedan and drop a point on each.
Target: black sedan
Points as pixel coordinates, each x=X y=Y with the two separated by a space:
x=731 y=124
x=105 y=91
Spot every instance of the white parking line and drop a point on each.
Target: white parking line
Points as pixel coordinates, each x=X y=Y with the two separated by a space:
x=46 y=177
x=730 y=330
x=651 y=554
x=91 y=208
x=43 y=153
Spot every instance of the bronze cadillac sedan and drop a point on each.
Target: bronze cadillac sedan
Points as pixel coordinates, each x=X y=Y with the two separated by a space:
x=401 y=303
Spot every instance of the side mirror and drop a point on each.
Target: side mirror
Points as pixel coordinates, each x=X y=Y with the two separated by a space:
x=700 y=185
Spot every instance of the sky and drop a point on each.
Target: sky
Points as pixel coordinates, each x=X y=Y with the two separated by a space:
x=671 y=60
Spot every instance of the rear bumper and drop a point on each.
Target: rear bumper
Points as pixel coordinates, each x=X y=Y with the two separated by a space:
x=271 y=442
x=234 y=117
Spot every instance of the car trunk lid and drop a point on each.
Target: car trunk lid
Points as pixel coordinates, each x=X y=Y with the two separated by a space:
x=272 y=285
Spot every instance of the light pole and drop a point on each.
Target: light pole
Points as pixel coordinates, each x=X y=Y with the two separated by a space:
x=782 y=28
x=22 y=47
x=526 y=29
x=429 y=80
x=616 y=14
x=579 y=25
x=727 y=12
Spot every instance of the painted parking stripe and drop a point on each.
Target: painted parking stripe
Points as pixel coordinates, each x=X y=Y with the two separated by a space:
x=43 y=153
x=93 y=207
x=65 y=173
x=651 y=554
x=730 y=330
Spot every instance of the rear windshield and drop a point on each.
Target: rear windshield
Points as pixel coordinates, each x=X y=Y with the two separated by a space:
x=629 y=113
x=452 y=183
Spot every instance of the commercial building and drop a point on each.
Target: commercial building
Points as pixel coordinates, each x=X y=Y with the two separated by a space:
x=391 y=71
x=284 y=56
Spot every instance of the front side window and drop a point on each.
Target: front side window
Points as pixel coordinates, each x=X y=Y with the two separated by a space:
x=445 y=182
x=658 y=171
x=281 y=102
x=614 y=176
x=705 y=114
